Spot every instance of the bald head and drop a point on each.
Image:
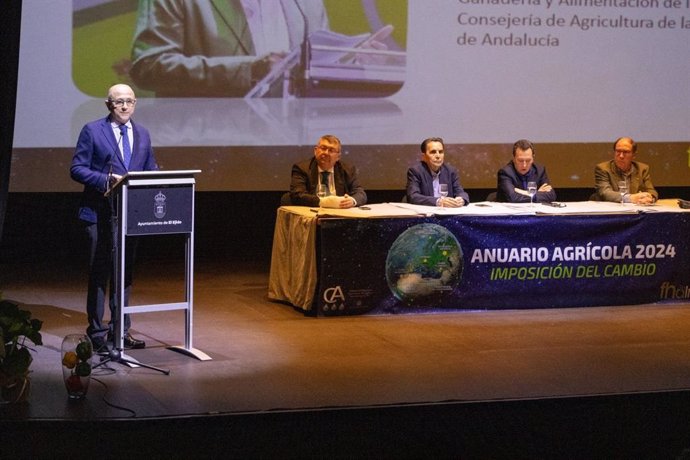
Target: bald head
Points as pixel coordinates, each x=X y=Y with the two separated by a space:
x=121 y=102
x=120 y=88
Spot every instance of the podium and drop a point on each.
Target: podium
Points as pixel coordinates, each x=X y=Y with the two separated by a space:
x=154 y=203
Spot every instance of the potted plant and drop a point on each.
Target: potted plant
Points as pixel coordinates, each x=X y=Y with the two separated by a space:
x=16 y=326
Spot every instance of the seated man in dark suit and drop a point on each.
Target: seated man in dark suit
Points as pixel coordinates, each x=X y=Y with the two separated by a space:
x=514 y=177
x=623 y=179
x=324 y=180
x=424 y=179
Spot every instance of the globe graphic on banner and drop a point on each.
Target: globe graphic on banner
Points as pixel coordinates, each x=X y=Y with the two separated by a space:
x=424 y=265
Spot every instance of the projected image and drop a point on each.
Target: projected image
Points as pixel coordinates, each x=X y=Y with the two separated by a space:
x=207 y=48
x=219 y=94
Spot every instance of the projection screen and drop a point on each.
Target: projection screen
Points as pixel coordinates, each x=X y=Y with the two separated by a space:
x=570 y=75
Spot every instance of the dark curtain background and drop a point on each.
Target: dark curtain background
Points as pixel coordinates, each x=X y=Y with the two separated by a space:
x=10 y=24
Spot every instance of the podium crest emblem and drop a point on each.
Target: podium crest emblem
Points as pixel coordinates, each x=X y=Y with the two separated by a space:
x=159 y=207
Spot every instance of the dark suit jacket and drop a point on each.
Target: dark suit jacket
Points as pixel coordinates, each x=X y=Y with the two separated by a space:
x=508 y=179
x=97 y=149
x=420 y=186
x=305 y=178
x=607 y=175
x=204 y=47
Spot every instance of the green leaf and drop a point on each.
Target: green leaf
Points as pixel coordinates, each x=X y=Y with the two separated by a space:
x=17 y=363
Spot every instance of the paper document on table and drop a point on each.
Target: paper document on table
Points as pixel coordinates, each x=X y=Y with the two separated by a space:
x=488 y=208
x=415 y=208
x=588 y=207
x=664 y=205
x=484 y=208
x=378 y=210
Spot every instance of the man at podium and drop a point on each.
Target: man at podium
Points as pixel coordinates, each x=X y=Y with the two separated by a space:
x=106 y=150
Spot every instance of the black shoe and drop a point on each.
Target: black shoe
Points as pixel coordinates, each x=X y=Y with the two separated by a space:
x=130 y=342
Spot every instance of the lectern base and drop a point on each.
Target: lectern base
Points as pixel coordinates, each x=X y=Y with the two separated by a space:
x=193 y=352
x=128 y=360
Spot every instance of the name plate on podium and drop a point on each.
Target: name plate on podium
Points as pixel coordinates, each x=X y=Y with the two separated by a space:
x=157 y=202
x=157 y=210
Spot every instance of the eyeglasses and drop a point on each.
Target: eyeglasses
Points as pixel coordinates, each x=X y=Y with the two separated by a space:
x=327 y=149
x=623 y=152
x=121 y=102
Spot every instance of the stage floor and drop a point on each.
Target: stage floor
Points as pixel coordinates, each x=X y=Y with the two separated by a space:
x=266 y=356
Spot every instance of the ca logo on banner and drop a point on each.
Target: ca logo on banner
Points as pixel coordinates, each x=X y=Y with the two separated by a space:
x=333 y=295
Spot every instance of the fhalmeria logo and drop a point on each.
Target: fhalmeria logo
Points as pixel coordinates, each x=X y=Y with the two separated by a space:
x=671 y=291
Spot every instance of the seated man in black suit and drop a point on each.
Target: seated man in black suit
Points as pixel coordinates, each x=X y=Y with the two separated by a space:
x=513 y=177
x=326 y=181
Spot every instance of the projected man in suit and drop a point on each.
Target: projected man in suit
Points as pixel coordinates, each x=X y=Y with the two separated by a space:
x=424 y=178
x=339 y=179
x=210 y=48
x=106 y=150
x=513 y=177
x=623 y=167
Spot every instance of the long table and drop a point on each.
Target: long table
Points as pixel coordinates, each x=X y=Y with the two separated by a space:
x=397 y=258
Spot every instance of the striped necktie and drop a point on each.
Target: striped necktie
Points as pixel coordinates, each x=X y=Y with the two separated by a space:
x=324 y=181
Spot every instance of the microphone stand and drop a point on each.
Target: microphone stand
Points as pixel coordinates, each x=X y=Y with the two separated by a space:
x=116 y=356
x=305 y=57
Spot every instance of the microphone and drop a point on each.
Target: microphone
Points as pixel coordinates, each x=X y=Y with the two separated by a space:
x=109 y=162
x=305 y=52
x=118 y=151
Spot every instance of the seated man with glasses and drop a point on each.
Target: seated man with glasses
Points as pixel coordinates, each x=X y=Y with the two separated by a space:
x=324 y=180
x=623 y=179
x=514 y=177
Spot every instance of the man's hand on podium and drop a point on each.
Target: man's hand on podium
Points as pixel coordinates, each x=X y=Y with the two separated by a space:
x=114 y=178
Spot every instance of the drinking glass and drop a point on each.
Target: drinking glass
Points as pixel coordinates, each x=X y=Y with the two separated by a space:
x=532 y=190
x=322 y=191
x=443 y=191
x=623 y=188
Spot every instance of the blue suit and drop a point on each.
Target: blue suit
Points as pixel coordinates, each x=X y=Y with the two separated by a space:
x=420 y=186
x=97 y=150
x=95 y=156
